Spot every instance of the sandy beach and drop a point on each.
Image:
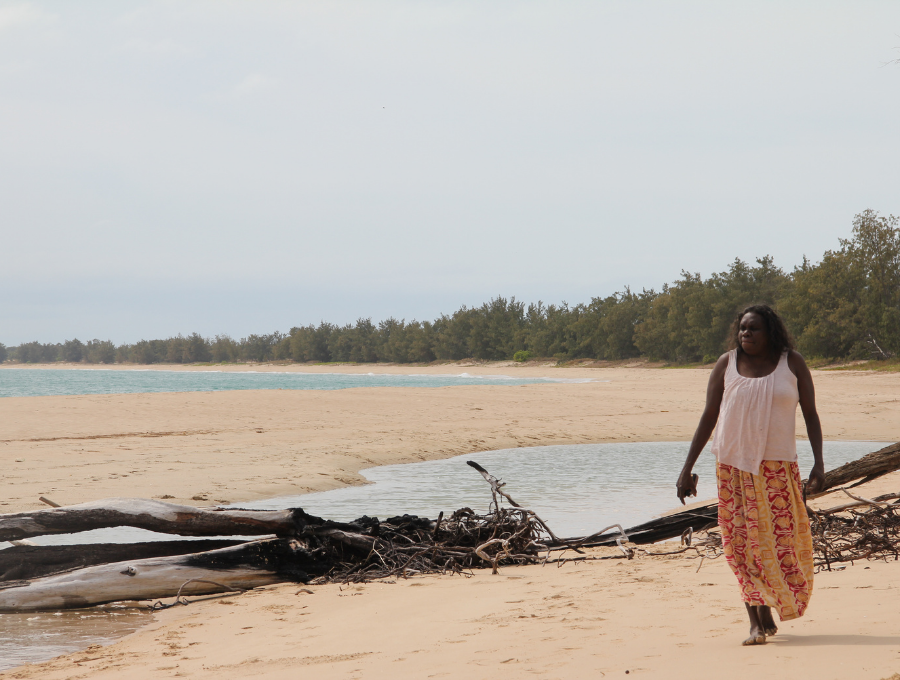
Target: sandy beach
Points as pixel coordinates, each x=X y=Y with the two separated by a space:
x=658 y=617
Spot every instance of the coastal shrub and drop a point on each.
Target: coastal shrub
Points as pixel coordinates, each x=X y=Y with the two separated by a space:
x=497 y=329
x=99 y=352
x=522 y=355
x=3 y=353
x=36 y=353
x=224 y=349
x=196 y=349
x=259 y=347
x=419 y=342
x=72 y=351
x=309 y=343
x=144 y=352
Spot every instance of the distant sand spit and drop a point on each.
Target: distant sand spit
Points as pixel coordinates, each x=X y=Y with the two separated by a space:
x=549 y=369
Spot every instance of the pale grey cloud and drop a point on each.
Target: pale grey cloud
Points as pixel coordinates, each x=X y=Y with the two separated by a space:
x=254 y=83
x=161 y=47
x=17 y=15
x=306 y=160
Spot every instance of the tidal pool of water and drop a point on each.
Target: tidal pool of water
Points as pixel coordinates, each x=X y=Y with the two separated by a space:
x=576 y=489
x=38 y=636
x=37 y=382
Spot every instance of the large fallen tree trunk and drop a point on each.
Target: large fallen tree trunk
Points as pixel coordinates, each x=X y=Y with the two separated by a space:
x=240 y=567
x=152 y=515
x=670 y=526
x=358 y=551
x=869 y=467
x=27 y=562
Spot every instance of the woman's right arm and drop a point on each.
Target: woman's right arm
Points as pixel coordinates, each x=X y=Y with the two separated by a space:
x=714 y=391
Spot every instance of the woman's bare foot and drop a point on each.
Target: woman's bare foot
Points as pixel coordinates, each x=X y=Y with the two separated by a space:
x=764 y=614
x=757 y=632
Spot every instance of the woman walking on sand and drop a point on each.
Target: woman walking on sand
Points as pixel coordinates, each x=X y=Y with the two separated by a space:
x=753 y=394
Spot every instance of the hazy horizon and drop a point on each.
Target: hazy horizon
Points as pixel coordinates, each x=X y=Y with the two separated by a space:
x=244 y=167
x=248 y=300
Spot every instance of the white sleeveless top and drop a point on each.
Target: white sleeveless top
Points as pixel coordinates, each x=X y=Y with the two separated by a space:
x=757 y=419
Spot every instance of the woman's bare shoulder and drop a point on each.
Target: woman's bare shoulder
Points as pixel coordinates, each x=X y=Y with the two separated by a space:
x=721 y=366
x=796 y=362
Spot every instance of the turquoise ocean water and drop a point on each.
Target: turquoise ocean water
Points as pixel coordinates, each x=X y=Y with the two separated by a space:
x=38 y=382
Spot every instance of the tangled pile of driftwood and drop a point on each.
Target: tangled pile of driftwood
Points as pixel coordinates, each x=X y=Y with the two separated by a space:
x=303 y=548
x=866 y=529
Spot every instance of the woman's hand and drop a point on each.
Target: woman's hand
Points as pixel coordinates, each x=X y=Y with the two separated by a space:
x=816 y=481
x=686 y=485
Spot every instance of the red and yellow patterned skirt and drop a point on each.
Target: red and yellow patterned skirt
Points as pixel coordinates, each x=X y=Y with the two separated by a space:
x=766 y=536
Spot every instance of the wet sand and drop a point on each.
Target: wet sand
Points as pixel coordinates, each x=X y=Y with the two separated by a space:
x=653 y=616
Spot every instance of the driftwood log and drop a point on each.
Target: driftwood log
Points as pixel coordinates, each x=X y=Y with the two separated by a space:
x=865 y=469
x=362 y=550
x=27 y=562
x=670 y=526
x=151 y=515
x=241 y=567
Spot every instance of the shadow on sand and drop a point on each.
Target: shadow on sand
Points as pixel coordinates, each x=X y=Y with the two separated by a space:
x=828 y=640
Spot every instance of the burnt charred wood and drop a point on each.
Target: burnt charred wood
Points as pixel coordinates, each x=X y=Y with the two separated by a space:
x=155 y=516
x=354 y=540
x=696 y=519
x=34 y=561
x=245 y=566
x=674 y=525
x=288 y=559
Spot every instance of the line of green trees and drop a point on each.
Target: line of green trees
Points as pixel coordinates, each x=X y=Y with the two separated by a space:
x=845 y=306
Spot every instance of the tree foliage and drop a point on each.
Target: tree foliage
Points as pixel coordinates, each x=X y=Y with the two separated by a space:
x=846 y=306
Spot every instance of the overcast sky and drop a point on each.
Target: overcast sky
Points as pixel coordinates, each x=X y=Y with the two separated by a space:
x=240 y=167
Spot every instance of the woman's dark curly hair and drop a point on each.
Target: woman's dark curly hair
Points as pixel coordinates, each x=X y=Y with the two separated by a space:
x=779 y=339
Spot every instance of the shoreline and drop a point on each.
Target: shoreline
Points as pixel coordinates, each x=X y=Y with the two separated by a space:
x=245 y=445
x=526 y=370
x=434 y=368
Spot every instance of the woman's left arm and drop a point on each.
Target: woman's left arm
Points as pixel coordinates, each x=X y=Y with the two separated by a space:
x=807 y=392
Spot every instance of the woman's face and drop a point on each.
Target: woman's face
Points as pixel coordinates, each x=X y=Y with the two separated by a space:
x=753 y=334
